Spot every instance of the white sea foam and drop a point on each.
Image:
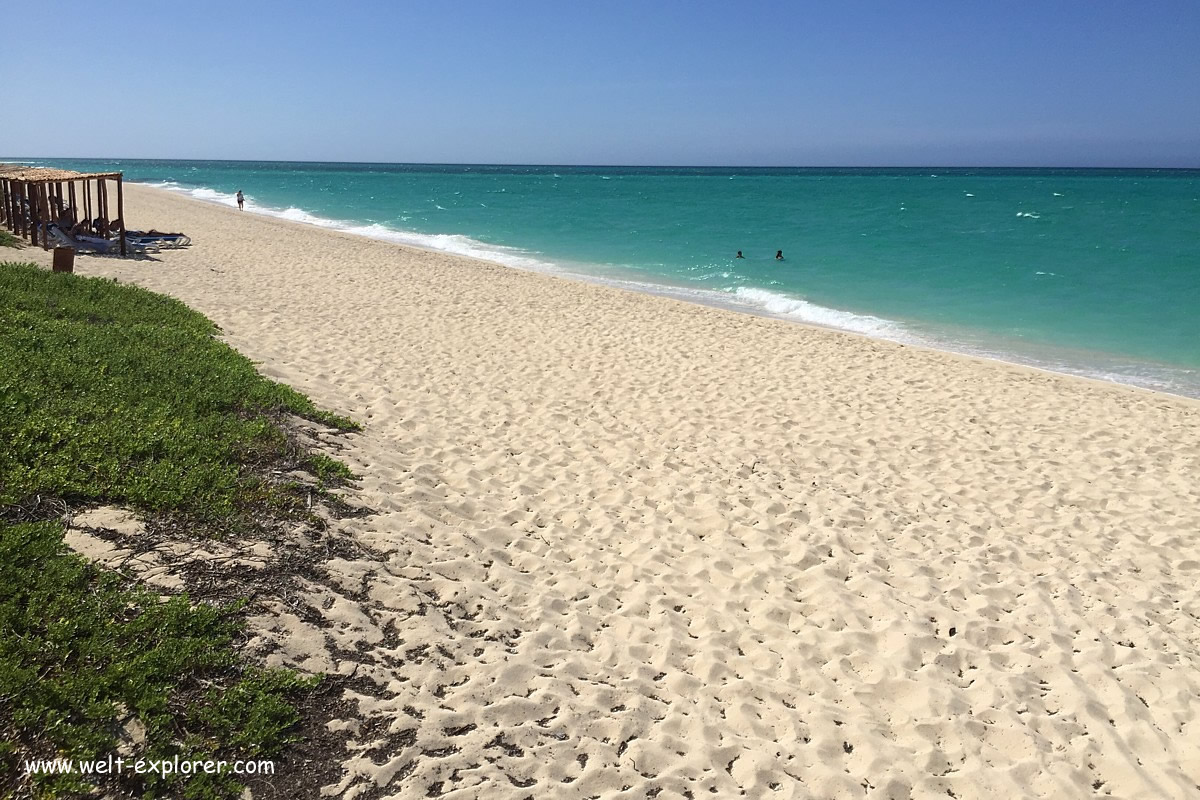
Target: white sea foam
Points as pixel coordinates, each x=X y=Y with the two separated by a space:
x=782 y=305
x=450 y=243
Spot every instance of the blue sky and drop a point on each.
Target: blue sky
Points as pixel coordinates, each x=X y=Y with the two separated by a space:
x=1068 y=83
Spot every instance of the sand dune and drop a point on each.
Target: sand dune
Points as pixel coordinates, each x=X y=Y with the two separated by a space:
x=627 y=547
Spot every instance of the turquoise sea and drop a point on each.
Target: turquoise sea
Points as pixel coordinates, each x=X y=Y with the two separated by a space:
x=1090 y=272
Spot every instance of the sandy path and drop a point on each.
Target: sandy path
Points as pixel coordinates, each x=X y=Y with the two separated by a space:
x=630 y=547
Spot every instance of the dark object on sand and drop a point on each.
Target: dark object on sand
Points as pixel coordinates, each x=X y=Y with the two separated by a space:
x=64 y=259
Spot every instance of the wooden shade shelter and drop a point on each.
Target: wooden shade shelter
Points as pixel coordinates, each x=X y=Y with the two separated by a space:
x=32 y=197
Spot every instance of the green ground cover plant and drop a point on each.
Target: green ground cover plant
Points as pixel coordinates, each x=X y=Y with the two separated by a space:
x=110 y=394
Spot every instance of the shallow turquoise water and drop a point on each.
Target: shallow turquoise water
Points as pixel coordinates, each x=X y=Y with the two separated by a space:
x=1094 y=272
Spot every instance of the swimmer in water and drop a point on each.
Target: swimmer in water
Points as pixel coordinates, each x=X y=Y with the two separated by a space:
x=739 y=255
x=779 y=255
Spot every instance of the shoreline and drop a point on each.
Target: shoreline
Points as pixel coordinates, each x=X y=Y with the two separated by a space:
x=622 y=543
x=1041 y=357
x=678 y=293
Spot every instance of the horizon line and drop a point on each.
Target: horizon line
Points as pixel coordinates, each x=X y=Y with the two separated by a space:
x=604 y=166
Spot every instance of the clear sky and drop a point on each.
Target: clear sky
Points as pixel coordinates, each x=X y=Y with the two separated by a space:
x=839 y=82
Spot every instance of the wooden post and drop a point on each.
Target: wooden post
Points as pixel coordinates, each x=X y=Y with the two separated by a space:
x=87 y=201
x=102 y=200
x=18 y=210
x=33 y=214
x=4 y=201
x=121 y=213
x=74 y=207
x=27 y=203
x=47 y=213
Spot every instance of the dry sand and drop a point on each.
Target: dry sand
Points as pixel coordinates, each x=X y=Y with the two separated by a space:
x=628 y=547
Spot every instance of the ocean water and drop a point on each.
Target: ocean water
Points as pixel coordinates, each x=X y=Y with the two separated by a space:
x=1088 y=272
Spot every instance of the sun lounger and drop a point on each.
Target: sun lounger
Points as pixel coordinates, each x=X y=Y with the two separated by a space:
x=88 y=244
x=157 y=240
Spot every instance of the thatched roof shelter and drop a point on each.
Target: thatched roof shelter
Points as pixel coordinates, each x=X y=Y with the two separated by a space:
x=17 y=172
x=33 y=197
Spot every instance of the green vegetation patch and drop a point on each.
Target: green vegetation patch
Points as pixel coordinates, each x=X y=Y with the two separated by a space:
x=112 y=394
x=8 y=239
x=82 y=654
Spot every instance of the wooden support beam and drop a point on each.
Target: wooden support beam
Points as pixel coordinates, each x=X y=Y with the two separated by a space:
x=74 y=207
x=121 y=214
x=27 y=200
x=4 y=200
x=18 y=212
x=47 y=213
x=87 y=201
x=102 y=200
x=33 y=213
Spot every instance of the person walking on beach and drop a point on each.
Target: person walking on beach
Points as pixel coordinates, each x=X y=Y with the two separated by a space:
x=779 y=255
x=241 y=198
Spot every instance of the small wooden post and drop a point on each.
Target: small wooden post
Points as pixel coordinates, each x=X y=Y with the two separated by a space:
x=4 y=201
x=74 y=208
x=87 y=201
x=121 y=213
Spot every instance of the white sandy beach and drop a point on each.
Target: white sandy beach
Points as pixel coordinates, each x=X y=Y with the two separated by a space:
x=628 y=547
